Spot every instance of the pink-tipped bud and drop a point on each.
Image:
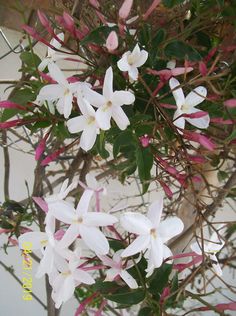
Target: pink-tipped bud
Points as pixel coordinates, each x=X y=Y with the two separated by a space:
x=12 y=123
x=166 y=189
x=11 y=105
x=220 y=120
x=195 y=115
x=41 y=203
x=43 y=19
x=41 y=147
x=165 y=294
x=112 y=41
x=94 y=3
x=181 y=70
x=151 y=9
x=53 y=156
x=125 y=9
x=231 y=103
x=144 y=140
x=203 y=68
x=201 y=139
x=197 y=159
x=69 y=23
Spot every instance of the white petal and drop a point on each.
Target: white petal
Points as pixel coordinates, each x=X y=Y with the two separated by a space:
x=68 y=98
x=171 y=64
x=135 y=53
x=83 y=205
x=155 y=211
x=180 y=122
x=196 y=96
x=70 y=236
x=46 y=263
x=167 y=253
x=170 y=227
x=201 y=122
x=120 y=117
x=123 y=97
x=43 y=64
x=68 y=288
x=143 y=56
x=99 y=219
x=32 y=240
x=156 y=251
x=88 y=137
x=87 y=109
x=55 y=43
x=141 y=243
x=91 y=181
x=50 y=92
x=94 y=98
x=94 y=239
x=178 y=93
x=57 y=74
x=215 y=244
x=111 y=274
x=63 y=211
x=108 y=84
x=83 y=276
x=129 y=280
x=76 y=124
x=133 y=73
x=123 y=64
x=136 y=223
x=103 y=117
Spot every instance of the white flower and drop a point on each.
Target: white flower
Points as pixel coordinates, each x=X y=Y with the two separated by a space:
x=83 y=223
x=109 y=104
x=86 y=123
x=186 y=105
x=210 y=249
x=152 y=234
x=130 y=61
x=52 y=54
x=117 y=269
x=64 y=191
x=49 y=248
x=62 y=93
x=68 y=279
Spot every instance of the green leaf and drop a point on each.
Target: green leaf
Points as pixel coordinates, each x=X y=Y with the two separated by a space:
x=127 y=297
x=30 y=59
x=146 y=311
x=144 y=160
x=231 y=136
x=181 y=50
x=159 y=279
x=222 y=175
x=124 y=139
x=99 y=35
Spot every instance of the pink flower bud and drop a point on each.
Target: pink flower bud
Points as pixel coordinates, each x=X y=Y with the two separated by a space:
x=203 y=68
x=41 y=147
x=125 y=9
x=53 y=156
x=166 y=188
x=144 y=140
x=201 y=139
x=181 y=70
x=43 y=19
x=11 y=105
x=164 y=294
x=195 y=115
x=197 y=158
x=151 y=9
x=85 y=302
x=41 y=203
x=12 y=123
x=112 y=41
x=59 y=234
x=94 y=3
x=220 y=120
x=231 y=103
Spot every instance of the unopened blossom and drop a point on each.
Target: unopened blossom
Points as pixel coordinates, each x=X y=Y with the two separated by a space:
x=87 y=124
x=210 y=249
x=187 y=105
x=68 y=278
x=152 y=233
x=110 y=103
x=83 y=223
x=52 y=55
x=112 y=41
x=131 y=61
x=61 y=93
x=117 y=269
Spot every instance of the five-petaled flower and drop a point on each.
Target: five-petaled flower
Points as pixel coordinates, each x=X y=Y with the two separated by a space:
x=152 y=233
x=131 y=61
x=186 y=105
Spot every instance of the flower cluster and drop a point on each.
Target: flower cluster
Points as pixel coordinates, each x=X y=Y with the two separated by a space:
x=67 y=268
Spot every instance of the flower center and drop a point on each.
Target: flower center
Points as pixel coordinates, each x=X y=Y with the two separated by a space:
x=66 y=273
x=78 y=220
x=130 y=60
x=66 y=92
x=184 y=108
x=153 y=233
x=107 y=106
x=44 y=242
x=90 y=120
